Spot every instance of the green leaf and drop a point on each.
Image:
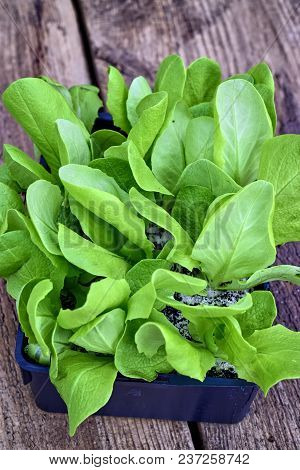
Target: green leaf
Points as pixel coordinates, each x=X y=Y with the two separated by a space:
x=242 y=225
x=66 y=216
x=136 y=365
x=7 y=178
x=42 y=314
x=202 y=78
x=60 y=88
x=92 y=179
x=233 y=347
x=86 y=103
x=185 y=357
x=44 y=202
x=261 y=315
x=203 y=330
x=202 y=109
x=117 y=94
x=99 y=231
x=264 y=83
x=101 y=195
x=131 y=252
x=138 y=89
x=181 y=253
x=166 y=250
x=199 y=140
x=118 y=151
x=161 y=287
x=240 y=134
x=141 y=273
x=117 y=168
x=275 y=273
x=142 y=173
x=206 y=174
x=15 y=249
x=190 y=209
x=23 y=169
x=168 y=157
x=9 y=199
x=267 y=95
x=24 y=100
x=18 y=221
x=104 y=139
x=21 y=305
x=278 y=356
x=142 y=302
x=90 y=257
x=84 y=379
x=280 y=165
x=103 y=295
x=261 y=73
x=59 y=343
x=196 y=313
x=21 y=261
x=102 y=334
x=267 y=357
x=215 y=205
x=151 y=112
x=243 y=76
x=170 y=78
x=37 y=266
x=73 y=146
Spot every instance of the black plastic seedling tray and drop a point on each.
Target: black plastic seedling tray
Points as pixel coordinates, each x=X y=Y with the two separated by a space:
x=170 y=396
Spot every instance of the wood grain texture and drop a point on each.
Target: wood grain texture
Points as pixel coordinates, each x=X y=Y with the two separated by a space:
x=42 y=37
x=134 y=36
x=38 y=37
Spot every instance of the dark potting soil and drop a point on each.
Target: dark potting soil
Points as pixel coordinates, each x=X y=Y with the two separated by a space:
x=158 y=236
x=175 y=317
x=222 y=369
x=180 y=269
x=67 y=299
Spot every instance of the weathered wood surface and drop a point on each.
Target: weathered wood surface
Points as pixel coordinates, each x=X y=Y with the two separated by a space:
x=38 y=38
x=42 y=37
x=134 y=35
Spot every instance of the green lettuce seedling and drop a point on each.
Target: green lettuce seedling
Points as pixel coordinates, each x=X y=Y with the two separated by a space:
x=185 y=199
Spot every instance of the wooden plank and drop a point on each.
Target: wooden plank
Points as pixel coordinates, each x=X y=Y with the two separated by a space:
x=42 y=37
x=134 y=36
x=38 y=38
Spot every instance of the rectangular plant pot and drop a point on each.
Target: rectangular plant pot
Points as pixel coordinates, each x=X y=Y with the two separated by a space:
x=170 y=396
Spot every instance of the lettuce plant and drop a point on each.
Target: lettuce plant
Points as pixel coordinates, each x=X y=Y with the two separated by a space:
x=176 y=212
